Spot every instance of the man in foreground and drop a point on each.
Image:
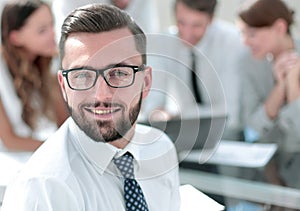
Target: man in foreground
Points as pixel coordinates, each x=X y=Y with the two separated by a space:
x=87 y=163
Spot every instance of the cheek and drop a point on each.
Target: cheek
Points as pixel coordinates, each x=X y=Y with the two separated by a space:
x=199 y=32
x=131 y=96
x=41 y=44
x=264 y=44
x=34 y=45
x=255 y=42
x=74 y=99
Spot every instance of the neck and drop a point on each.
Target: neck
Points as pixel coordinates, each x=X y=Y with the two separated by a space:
x=29 y=55
x=122 y=142
x=286 y=44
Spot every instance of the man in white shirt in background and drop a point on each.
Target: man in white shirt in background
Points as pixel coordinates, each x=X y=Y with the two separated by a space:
x=218 y=48
x=104 y=79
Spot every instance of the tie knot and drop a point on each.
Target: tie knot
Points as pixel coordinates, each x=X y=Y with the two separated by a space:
x=125 y=165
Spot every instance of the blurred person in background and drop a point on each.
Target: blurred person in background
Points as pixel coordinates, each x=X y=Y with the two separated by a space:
x=218 y=71
x=209 y=47
x=271 y=93
x=31 y=106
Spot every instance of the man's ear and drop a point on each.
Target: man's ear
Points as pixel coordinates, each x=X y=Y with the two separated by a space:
x=147 y=81
x=62 y=84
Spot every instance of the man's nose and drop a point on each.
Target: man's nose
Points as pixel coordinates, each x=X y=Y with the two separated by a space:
x=102 y=89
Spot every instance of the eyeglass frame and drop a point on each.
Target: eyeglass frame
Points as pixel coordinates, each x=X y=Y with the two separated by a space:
x=135 y=69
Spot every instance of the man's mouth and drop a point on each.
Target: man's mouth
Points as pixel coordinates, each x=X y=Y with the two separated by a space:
x=103 y=111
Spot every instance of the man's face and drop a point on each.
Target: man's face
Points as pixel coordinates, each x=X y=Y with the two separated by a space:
x=102 y=112
x=191 y=24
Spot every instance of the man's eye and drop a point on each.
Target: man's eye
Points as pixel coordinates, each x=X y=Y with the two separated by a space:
x=118 y=73
x=81 y=75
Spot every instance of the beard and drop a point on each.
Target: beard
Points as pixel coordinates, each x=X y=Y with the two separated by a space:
x=106 y=131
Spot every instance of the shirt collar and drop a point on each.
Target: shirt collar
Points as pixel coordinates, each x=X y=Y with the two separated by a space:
x=134 y=151
x=99 y=153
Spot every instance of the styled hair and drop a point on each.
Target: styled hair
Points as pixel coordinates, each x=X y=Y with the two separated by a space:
x=207 y=6
x=96 y=18
x=31 y=78
x=263 y=13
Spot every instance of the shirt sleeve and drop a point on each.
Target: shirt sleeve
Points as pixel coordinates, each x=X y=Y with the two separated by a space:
x=257 y=82
x=288 y=121
x=39 y=194
x=260 y=122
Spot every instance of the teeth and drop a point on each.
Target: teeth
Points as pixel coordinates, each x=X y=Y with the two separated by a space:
x=100 y=112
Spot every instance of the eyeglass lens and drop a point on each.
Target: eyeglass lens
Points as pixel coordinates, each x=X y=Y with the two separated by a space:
x=114 y=77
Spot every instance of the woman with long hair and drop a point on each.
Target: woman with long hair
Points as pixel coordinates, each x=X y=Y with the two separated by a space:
x=31 y=105
x=271 y=95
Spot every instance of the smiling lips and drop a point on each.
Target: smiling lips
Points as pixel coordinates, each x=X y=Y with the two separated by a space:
x=103 y=111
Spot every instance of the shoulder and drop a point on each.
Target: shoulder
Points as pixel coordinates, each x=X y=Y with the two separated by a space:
x=47 y=171
x=157 y=153
x=153 y=142
x=52 y=158
x=152 y=134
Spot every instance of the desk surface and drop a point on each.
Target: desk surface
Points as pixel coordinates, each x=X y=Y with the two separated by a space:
x=241 y=189
x=12 y=162
x=233 y=153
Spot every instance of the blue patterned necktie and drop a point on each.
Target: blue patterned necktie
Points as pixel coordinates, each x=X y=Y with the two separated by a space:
x=133 y=194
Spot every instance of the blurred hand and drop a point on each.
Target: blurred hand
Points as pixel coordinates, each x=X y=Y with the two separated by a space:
x=283 y=64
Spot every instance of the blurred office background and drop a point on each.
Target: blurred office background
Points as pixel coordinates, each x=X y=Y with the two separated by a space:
x=226 y=9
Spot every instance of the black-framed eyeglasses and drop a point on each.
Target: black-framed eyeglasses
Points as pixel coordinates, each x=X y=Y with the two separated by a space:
x=116 y=76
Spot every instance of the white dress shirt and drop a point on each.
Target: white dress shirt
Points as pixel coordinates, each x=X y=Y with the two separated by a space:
x=72 y=172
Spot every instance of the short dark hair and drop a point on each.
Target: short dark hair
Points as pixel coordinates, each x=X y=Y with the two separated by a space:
x=95 y=18
x=263 y=13
x=207 y=6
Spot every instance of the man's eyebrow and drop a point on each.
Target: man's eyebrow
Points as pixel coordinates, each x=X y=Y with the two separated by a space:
x=102 y=68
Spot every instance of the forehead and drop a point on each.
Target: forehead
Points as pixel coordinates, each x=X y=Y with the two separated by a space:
x=100 y=49
x=183 y=12
x=40 y=17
